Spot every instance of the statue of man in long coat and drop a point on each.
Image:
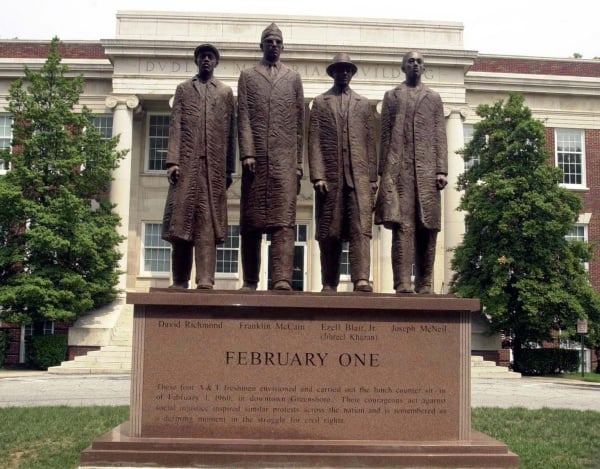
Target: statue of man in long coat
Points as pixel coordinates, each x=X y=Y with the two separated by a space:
x=270 y=129
x=413 y=166
x=343 y=170
x=200 y=161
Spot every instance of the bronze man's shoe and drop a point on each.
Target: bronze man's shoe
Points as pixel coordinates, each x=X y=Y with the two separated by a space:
x=328 y=288
x=249 y=286
x=402 y=289
x=182 y=285
x=424 y=290
x=204 y=286
x=363 y=286
x=282 y=285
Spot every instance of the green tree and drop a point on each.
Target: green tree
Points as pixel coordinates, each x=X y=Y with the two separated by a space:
x=58 y=243
x=514 y=255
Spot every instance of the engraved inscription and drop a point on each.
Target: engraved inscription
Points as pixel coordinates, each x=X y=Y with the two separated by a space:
x=313 y=378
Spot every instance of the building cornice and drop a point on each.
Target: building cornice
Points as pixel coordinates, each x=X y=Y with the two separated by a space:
x=89 y=68
x=517 y=82
x=315 y=52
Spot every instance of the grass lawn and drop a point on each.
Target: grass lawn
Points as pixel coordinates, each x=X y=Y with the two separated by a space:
x=53 y=437
x=545 y=438
x=589 y=377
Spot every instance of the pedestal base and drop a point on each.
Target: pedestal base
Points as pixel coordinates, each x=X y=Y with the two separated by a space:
x=285 y=380
x=117 y=449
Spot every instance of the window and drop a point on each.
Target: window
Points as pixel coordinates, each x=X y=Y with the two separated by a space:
x=5 y=138
x=570 y=156
x=579 y=233
x=104 y=123
x=158 y=142
x=345 y=260
x=156 y=251
x=468 y=131
x=228 y=253
x=48 y=328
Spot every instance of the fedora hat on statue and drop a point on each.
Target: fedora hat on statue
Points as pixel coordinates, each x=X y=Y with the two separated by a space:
x=340 y=59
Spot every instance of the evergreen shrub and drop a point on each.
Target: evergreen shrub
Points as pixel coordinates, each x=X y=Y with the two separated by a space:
x=45 y=351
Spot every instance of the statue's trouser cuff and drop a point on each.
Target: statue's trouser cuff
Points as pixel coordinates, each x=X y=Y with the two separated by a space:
x=281 y=254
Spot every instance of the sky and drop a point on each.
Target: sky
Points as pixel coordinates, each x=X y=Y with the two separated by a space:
x=538 y=28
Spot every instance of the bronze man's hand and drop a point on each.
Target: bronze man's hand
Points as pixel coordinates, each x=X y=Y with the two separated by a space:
x=173 y=173
x=374 y=188
x=298 y=181
x=249 y=164
x=321 y=187
x=441 y=181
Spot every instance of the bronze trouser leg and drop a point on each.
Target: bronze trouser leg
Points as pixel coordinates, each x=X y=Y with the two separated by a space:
x=251 y=256
x=206 y=256
x=204 y=232
x=181 y=261
x=282 y=254
x=360 y=244
x=403 y=248
x=425 y=258
x=331 y=251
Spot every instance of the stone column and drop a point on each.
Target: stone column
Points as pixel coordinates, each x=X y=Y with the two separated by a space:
x=123 y=107
x=453 y=223
x=386 y=276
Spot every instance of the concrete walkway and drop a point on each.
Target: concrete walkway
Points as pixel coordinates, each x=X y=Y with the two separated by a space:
x=39 y=388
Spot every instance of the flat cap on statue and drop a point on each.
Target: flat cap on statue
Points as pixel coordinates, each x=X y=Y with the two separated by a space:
x=271 y=31
x=340 y=59
x=205 y=47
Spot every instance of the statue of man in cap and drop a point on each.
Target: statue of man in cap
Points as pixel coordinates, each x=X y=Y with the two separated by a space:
x=343 y=170
x=413 y=166
x=200 y=161
x=270 y=129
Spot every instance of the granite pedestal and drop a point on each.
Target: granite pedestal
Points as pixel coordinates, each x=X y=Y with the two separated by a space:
x=283 y=379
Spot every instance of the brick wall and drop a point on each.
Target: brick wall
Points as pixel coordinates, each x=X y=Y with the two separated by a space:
x=590 y=198
x=39 y=50
x=14 y=338
x=529 y=66
x=14 y=343
x=501 y=356
x=76 y=351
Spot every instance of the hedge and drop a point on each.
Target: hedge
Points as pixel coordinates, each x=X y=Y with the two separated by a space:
x=547 y=361
x=45 y=351
x=3 y=346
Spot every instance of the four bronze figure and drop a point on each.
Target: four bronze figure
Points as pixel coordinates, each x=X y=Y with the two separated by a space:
x=344 y=170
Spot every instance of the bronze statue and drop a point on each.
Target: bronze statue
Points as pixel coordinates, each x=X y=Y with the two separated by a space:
x=200 y=161
x=271 y=126
x=343 y=170
x=413 y=165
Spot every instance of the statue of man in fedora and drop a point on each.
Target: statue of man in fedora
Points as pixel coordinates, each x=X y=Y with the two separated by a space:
x=270 y=129
x=343 y=170
x=200 y=161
